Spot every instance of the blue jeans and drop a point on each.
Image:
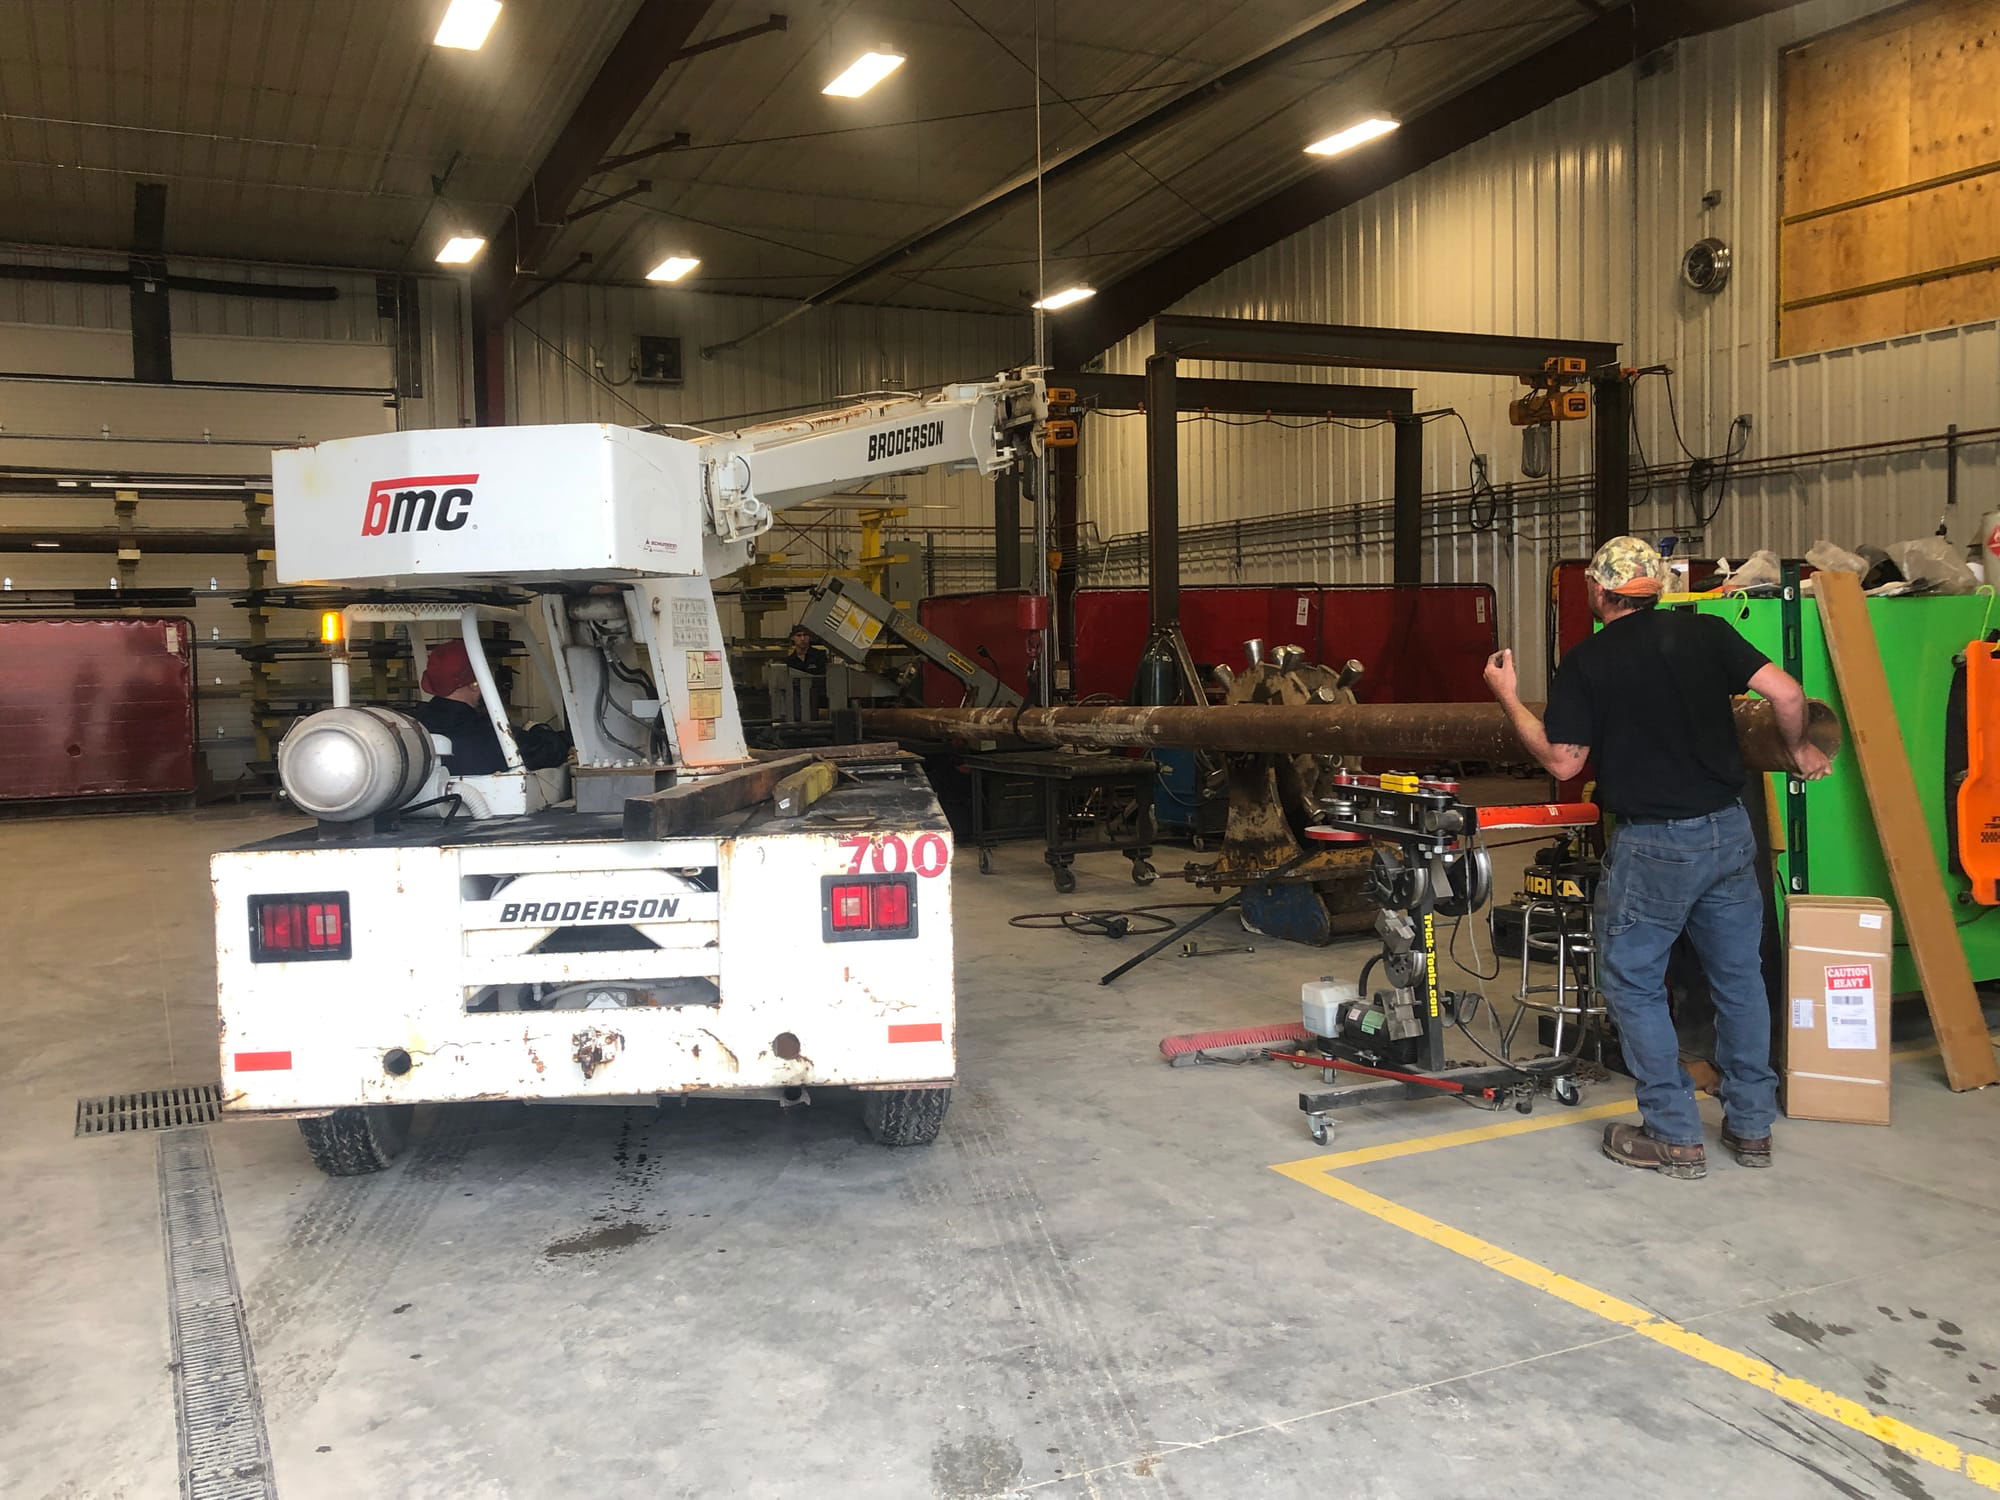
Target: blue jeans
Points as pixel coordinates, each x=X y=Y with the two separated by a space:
x=1697 y=875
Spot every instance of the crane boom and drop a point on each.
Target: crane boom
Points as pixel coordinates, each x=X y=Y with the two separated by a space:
x=986 y=426
x=590 y=502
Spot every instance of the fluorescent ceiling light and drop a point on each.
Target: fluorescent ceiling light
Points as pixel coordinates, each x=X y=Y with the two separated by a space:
x=466 y=23
x=673 y=268
x=48 y=544
x=1065 y=297
x=867 y=70
x=1355 y=135
x=460 y=248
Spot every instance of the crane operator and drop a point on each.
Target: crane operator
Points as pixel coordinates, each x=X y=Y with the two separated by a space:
x=1649 y=695
x=457 y=711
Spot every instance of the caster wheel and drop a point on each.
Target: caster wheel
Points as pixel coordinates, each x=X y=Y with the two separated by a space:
x=1143 y=873
x=1065 y=879
x=985 y=862
x=1321 y=1128
x=1567 y=1092
x=1200 y=844
x=1526 y=1106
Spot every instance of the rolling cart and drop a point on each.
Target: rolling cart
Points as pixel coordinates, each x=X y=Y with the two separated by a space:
x=1076 y=804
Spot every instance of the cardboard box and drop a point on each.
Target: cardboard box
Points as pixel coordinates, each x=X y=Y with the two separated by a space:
x=1837 y=966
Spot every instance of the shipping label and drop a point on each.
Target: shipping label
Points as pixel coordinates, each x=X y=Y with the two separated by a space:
x=1850 y=1007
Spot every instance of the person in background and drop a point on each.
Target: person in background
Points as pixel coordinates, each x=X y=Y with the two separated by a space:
x=1650 y=696
x=456 y=710
x=806 y=654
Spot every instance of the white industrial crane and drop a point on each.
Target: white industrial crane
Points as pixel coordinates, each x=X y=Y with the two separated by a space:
x=437 y=937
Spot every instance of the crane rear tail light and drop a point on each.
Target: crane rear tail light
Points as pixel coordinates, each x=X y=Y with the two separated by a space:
x=291 y=928
x=859 y=907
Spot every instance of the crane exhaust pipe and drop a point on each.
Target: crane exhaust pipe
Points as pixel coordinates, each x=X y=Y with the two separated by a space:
x=1420 y=731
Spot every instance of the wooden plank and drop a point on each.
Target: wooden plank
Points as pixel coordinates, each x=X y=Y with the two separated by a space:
x=1925 y=909
x=692 y=805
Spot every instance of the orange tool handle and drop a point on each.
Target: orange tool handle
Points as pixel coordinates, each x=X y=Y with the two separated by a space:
x=1540 y=815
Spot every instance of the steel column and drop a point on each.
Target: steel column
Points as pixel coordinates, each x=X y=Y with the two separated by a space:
x=1007 y=529
x=1062 y=480
x=1611 y=464
x=489 y=363
x=1409 y=551
x=1163 y=493
x=152 y=323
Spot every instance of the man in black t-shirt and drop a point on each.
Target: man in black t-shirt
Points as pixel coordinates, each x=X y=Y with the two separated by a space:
x=1649 y=697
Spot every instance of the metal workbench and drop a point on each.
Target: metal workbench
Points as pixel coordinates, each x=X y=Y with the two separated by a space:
x=1075 y=803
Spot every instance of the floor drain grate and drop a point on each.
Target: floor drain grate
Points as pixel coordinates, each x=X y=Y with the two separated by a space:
x=151 y=1109
x=225 y=1452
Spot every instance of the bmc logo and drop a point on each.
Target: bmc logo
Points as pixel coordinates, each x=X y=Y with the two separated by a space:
x=422 y=502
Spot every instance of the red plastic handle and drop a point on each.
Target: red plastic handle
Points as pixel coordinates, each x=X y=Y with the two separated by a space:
x=1540 y=815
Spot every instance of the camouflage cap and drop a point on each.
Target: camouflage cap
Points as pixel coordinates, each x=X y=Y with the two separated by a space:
x=1625 y=565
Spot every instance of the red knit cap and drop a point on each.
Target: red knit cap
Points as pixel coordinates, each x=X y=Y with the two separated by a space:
x=448 y=669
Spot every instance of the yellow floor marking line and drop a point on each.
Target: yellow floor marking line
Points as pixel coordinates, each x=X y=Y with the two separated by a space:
x=1317 y=1173
x=1444 y=1140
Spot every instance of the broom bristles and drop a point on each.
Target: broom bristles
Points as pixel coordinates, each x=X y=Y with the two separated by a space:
x=1172 y=1047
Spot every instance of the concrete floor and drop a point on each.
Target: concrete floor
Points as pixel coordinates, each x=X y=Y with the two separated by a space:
x=1092 y=1285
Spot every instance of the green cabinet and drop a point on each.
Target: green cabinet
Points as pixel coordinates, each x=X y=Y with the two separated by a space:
x=1919 y=639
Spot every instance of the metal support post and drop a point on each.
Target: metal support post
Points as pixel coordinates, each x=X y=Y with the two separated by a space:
x=1611 y=463
x=1006 y=529
x=126 y=509
x=1163 y=494
x=1063 y=549
x=378 y=661
x=871 y=561
x=256 y=561
x=1409 y=500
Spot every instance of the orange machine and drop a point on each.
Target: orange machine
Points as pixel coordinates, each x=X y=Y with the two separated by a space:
x=1979 y=793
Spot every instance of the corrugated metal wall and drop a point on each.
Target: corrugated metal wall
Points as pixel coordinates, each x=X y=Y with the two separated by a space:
x=1571 y=222
x=811 y=362
x=65 y=328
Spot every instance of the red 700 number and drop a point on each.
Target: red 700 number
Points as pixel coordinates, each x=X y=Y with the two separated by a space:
x=888 y=854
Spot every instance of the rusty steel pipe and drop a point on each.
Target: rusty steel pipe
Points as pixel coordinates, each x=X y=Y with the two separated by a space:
x=1423 y=731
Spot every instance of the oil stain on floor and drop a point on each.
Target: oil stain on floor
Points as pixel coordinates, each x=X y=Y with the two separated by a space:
x=597 y=1241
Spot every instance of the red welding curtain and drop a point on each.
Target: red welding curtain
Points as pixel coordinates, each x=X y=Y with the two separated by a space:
x=1420 y=643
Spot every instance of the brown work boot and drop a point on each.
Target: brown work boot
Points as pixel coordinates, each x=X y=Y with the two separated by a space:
x=1749 y=1153
x=1630 y=1146
x=1704 y=1074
